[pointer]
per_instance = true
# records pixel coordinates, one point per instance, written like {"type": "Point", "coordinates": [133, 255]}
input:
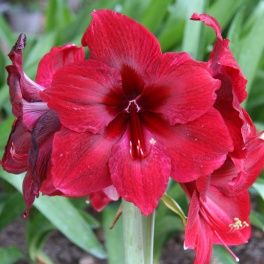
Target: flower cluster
{"type": "Point", "coordinates": [125, 120]}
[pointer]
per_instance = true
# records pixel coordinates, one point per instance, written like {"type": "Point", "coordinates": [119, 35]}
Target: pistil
{"type": "Point", "coordinates": [137, 141]}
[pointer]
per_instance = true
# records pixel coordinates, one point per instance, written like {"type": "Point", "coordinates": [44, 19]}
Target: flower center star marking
{"type": "Point", "coordinates": [137, 142]}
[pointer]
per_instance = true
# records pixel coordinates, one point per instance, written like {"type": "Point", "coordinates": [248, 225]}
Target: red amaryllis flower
{"type": "Point", "coordinates": [30, 142]}
{"type": "Point", "coordinates": [233, 86]}
{"type": "Point", "coordinates": [220, 205]}
{"type": "Point", "coordinates": [133, 116]}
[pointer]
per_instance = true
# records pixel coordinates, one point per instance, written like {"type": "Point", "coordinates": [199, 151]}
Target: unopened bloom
{"type": "Point", "coordinates": [132, 116]}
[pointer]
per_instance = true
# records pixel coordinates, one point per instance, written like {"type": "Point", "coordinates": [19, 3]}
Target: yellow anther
{"type": "Point", "coordinates": [238, 224]}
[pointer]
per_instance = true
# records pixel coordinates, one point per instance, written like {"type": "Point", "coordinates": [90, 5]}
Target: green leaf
{"type": "Point", "coordinates": [174, 206]}
{"type": "Point", "coordinates": [252, 45]}
{"type": "Point", "coordinates": [33, 55]}
{"type": "Point", "coordinates": [6, 35]}
{"type": "Point", "coordinates": [259, 187]}
{"type": "Point", "coordinates": [154, 14]}
{"type": "Point", "coordinates": [10, 255]}
{"type": "Point", "coordinates": [173, 29]}
{"type": "Point", "coordinates": [132, 8]}
{"type": "Point", "coordinates": [93, 223]}
{"type": "Point", "coordinates": [57, 14]}
{"type": "Point", "coordinates": [65, 217]}
{"type": "Point", "coordinates": [223, 11]}
{"type": "Point", "coordinates": [12, 208]}
{"type": "Point", "coordinates": [5, 128]}
{"type": "Point", "coordinates": [192, 33]}
{"type": "Point", "coordinates": [38, 229]}
{"type": "Point", "coordinates": [257, 220]}
{"type": "Point", "coordinates": [234, 31]}
{"type": "Point", "coordinates": [222, 256]}
{"type": "Point", "coordinates": [113, 237]}
{"type": "Point", "coordinates": [165, 227]}
{"type": "Point", "coordinates": [2, 68]}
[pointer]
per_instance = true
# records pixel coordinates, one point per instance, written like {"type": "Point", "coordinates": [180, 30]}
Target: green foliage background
{"type": "Point", "coordinates": [242, 22]}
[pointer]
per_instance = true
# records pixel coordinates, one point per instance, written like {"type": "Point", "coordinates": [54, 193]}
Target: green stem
{"type": "Point", "coordinates": [138, 235]}
{"type": "Point", "coordinates": [148, 236]}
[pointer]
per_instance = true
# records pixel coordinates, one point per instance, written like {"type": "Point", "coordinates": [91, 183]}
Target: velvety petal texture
{"type": "Point", "coordinates": [87, 170]}
{"type": "Point", "coordinates": [132, 116]}
{"type": "Point", "coordinates": [30, 143]}
{"type": "Point", "coordinates": [170, 92]}
{"type": "Point", "coordinates": [233, 86]}
{"type": "Point", "coordinates": [222, 59]}
{"type": "Point", "coordinates": [39, 156]}
{"type": "Point", "coordinates": [84, 96]}
{"type": "Point", "coordinates": [123, 121]}
{"type": "Point", "coordinates": [118, 40]}
{"type": "Point", "coordinates": [16, 151]}
{"type": "Point", "coordinates": [56, 59]}
{"type": "Point", "coordinates": [215, 219]}
{"type": "Point", "coordinates": [101, 198]}
{"type": "Point", "coordinates": [134, 179]}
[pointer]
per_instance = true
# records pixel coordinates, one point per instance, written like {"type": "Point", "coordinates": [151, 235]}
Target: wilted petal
{"type": "Point", "coordinates": [39, 155]}
{"type": "Point", "coordinates": [222, 59]}
{"type": "Point", "coordinates": [118, 40]}
{"type": "Point", "coordinates": [233, 115]}
{"type": "Point", "coordinates": [32, 112]}
{"type": "Point", "coordinates": [56, 59]}
{"type": "Point", "coordinates": [85, 95]}
{"type": "Point", "coordinates": [17, 80]}
{"type": "Point", "coordinates": [16, 151]}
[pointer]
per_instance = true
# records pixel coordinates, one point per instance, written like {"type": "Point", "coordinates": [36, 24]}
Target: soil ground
{"type": "Point", "coordinates": [62, 251]}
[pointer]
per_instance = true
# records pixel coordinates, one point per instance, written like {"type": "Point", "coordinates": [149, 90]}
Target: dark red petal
{"type": "Point", "coordinates": [141, 181]}
{"type": "Point", "coordinates": [80, 162]}
{"type": "Point", "coordinates": [222, 210]}
{"type": "Point", "coordinates": [32, 112]}
{"type": "Point", "coordinates": [222, 59]}
{"type": "Point", "coordinates": [56, 59]}
{"type": "Point", "coordinates": [86, 96]}
{"type": "Point", "coordinates": [101, 198]}
{"type": "Point", "coordinates": [248, 130]}
{"type": "Point", "coordinates": [39, 156]}
{"type": "Point", "coordinates": [182, 89]}
{"type": "Point", "coordinates": [198, 234]}
{"type": "Point", "coordinates": [224, 179]}
{"type": "Point", "coordinates": [252, 165]}
{"type": "Point", "coordinates": [196, 148]}
{"type": "Point", "coordinates": [118, 40]}
{"type": "Point", "coordinates": [18, 82]}
{"type": "Point", "coordinates": [227, 104]}
{"type": "Point", "coordinates": [16, 151]}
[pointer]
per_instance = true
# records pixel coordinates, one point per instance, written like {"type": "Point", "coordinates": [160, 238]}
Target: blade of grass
{"type": "Point", "coordinates": [64, 216]}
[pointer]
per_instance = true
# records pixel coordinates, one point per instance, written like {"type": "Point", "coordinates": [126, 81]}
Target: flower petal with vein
{"type": "Point", "coordinates": [132, 117]}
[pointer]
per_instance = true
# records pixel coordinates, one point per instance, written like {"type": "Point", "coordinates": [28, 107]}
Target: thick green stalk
{"type": "Point", "coordinates": [138, 235]}
{"type": "Point", "coordinates": [148, 236]}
